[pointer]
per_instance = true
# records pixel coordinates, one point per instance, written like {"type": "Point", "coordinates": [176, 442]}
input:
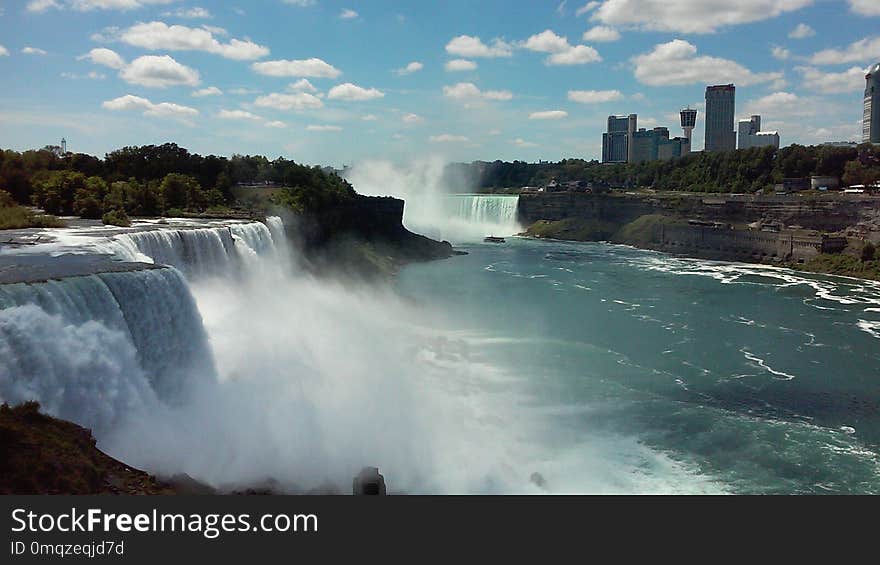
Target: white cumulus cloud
{"type": "Point", "coordinates": [411, 68]}
{"type": "Point", "coordinates": [105, 57]}
{"type": "Point", "coordinates": [468, 91]}
{"type": "Point", "coordinates": [677, 63]}
{"type": "Point", "coordinates": [577, 55]}
{"type": "Point", "coordinates": [547, 42]}
{"type": "Point", "coordinates": [209, 91]}
{"type": "Point", "coordinates": [40, 6]}
{"type": "Point", "coordinates": [313, 67]}
{"type": "Point", "coordinates": [130, 102]}
{"type": "Point", "coordinates": [458, 65]}
{"type": "Point", "coordinates": [548, 115]}
{"type": "Point", "coordinates": [352, 92]}
{"type": "Point", "coordinates": [472, 46]}
{"type": "Point", "coordinates": [588, 7]}
{"type": "Point", "coordinates": [33, 51]}
{"type": "Point", "coordinates": [691, 16]}
{"type": "Point", "coordinates": [601, 34]}
{"type": "Point", "coordinates": [561, 51]}
{"type": "Point", "coordinates": [780, 53]}
{"type": "Point", "coordinates": [864, 51]}
{"type": "Point", "coordinates": [194, 13]}
{"type": "Point", "coordinates": [323, 128]}
{"type": "Point", "coordinates": [802, 31]}
{"type": "Point", "coordinates": [865, 7]}
{"type": "Point", "coordinates": [302, 85]}
{"type": "Point", "coordinates": [238, 115]}
{"type": "Point", "coordinates": [594, 96]}
{"type": "Point", "coordinates": [850, 80]}
{"type": "Point", "coordinates": [161, 36]}
{"type": "Point", "coordinates": [159, 71]}
{"type": "Point", "coordinates": [296, 101]}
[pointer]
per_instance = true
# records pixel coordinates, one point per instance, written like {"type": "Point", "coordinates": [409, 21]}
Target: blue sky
{"type": "Point", "coordinates": [332, 82]}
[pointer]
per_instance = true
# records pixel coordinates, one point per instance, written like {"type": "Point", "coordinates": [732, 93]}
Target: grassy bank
{"type": "Point", "coordinates": [572, 229]}
{"type": "Point", "coordinates": [19, 217]}
{"type": "Point", "coordinates": [842, 264]}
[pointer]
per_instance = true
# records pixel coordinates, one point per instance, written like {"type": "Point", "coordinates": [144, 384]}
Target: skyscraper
{"type": "Point", "coordinates": [747, 129]}
{"type": "Point", "coordinates": [720, 110]}
{"type": "Point", "coordinates": [617, 141]}
{"type": "Point", "coordinates": [871, 119]}
{"type": "Point", "coordinates": [750, 134]}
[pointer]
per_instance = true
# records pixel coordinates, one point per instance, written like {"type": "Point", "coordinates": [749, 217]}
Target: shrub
{"type": "Point", "coordinates": [116, 218]}
{"type": "Point", "coordinates": [868, 251]}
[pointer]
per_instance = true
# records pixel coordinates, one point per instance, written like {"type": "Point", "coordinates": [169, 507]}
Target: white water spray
{"type": "Point", "coordinates": [433, 207]}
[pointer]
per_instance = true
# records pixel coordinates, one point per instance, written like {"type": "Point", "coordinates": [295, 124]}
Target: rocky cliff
{"type": "Point", "coordinates": [824, 213]}
{"type": "Point", "coordinates": [364, 236]}
{"type": "Point", "coordinates": [710, 226]}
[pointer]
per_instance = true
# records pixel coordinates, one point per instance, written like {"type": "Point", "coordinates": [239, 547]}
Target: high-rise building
{"type": "Point", "coordinates": [871, 118]}
{"type": "Point", "coordinates": [750, 134]}
{"type": "Point", "coordinates": [654, 144]}
{"type": "Point", "coordinates": [720, 109]}
{"type": "Point", "coordinates": [765, 139]}
{"type": "Point", "coordinates": [747, 129]}
{"type": "Point", "coordinates": [616, 142]}
{"type": "Point", "coordinates": [688, 123]}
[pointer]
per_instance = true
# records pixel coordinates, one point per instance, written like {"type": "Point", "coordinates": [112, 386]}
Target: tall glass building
{"type": "Point", "coordinates": [871, 119]}
{"type": "Point", "coordinates": [720, 110]}
{"type": "Point", "coordinates": [617, 141]}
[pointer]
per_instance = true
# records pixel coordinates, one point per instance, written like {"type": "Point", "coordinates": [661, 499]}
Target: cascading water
{"type": "Point", "coordinates": [196, 252]}
{"type": "Point", "coordinates": [487, 214]}
{"type": "Point", "coordinates": [433, 207]}
{"type": "Point", "coordinates": [92, 348]}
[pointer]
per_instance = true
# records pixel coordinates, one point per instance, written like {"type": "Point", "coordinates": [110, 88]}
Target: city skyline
{"type": "Point", "coordinates": [339, 82]}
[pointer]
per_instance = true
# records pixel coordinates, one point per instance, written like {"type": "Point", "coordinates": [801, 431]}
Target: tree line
{"type": "Point", "coordinates": [155, 180]}
{"type": "Point", "coordinates": [745, 170]}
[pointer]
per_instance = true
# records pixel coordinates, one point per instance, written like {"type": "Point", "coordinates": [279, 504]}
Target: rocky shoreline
{"type": "Point", "coordinates": [830, 234]}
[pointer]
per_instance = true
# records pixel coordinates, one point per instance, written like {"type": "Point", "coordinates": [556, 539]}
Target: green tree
{"type": "Point", "coordinates": [88, 200]}
{"type": "Point", "coordinates": [180, 191]}
{"type": "Point", "coordinates": [55, 192]}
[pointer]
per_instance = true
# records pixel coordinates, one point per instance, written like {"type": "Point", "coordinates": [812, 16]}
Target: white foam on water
{"type": "Point", "coordinates": [763, 365]}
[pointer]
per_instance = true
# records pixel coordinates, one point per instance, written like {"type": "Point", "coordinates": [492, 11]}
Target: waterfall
{"type": "Point", "coordinates": [195, 251]}
{"type": "Point", "coordinates": [94, 348]}
{"type": "Point", "coordinates": [463, 218]}
{"type": "Point", "coordinates": [488, 210]}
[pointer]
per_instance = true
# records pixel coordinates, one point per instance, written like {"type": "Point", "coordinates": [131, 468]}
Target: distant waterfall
{"type": "Point", "coordinates": [92, 348]}
{"type": "Point", "coordinates": [489, 210]}
{"type": "Point", "coordinates": [463, 218]}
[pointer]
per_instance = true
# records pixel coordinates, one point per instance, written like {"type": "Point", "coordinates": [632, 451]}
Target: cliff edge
{"type": "Point", "coordinates": [43, 455]}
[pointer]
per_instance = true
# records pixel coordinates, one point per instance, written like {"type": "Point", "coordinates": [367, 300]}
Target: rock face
{"type": "Point", "coordinates": [365, 236]}
{"type": "Point", "coordinates": [824, 213]}
{"type": "Point", "coordinates": [43, 455]}
{"type": "Point", "coordinates": [709, 226]}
